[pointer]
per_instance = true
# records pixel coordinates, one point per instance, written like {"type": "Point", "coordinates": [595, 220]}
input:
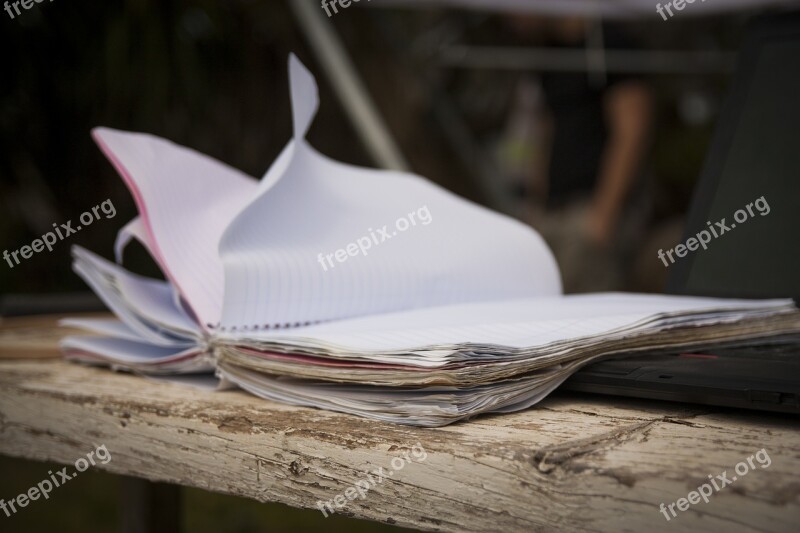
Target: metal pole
{"type": "Point", "coordinates": [348, 86]}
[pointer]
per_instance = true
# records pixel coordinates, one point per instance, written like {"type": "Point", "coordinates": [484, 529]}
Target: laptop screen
{"type": "Point", "coordinates": [745, 219]}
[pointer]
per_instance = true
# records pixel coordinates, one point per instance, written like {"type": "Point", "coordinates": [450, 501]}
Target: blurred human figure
{"type": "Point", "coordinates": [596, 135]}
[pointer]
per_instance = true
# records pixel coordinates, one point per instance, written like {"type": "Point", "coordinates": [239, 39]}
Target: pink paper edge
{"type": "Point", "coordinates": [140, 205]}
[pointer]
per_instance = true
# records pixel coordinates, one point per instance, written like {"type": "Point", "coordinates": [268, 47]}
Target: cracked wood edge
{"type": "Point", "coordinates": [575, 462]}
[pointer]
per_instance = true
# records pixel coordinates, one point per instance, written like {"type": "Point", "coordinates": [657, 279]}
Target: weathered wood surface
{"type": "Point", "coordinates": [35, 337]}
{"type": "Point", "coordinates": [575, 463]}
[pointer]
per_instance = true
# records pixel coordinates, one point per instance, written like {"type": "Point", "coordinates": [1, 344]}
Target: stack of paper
{"type": "Point", "coordinates": [306, 288]}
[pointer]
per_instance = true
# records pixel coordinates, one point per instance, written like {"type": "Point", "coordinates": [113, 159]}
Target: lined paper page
{"type": "Point", "coordinates": [185, 201]}
{"type": "Point", "coordinates": [514, 324]}
{"type": "Point", "coordinates": [145, 305]}
{"type": "Point", "coordinates": [135, 229]}
{"type": "Point", "coordinates": [275, 252]}
{"type": "Point", "coordinates": [137, 356]}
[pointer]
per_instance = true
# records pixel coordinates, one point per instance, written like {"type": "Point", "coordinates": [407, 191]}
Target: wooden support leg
{"type": "Point", "coordinates": [148, 507]}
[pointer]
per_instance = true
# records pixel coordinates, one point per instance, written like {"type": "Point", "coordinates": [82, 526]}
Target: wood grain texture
{"type": "Point", "coordinates": [573, 463]}
{"type": "Point", "coordinates": [36, 337]}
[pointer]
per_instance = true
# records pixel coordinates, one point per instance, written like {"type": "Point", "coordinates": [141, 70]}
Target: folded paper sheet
{"type": "Point", "coordinates": [205, 222]}
{"type": "Point", "coordinates": [314, 206]}
{"type": "Point", "coordinates": [186, 200]}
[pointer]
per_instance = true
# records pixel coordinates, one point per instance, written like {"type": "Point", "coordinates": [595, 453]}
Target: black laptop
{"type": "Point", "coordinates": [755, 155]}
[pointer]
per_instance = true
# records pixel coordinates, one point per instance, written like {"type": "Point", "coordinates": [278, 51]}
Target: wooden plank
{"type": "Point", "coordinates": [575, 462]}
{"type": "Point", "coordinates": [35, 337]}
{"type": "Point", "coordinates": [148, 507]}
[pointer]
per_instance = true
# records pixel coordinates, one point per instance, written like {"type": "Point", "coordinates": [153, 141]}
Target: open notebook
{"type": "Point", "coordinates": [304, 287]}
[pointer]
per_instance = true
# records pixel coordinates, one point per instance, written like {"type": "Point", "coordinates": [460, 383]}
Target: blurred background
{"type": "Point", "coordinates": [593, 131]}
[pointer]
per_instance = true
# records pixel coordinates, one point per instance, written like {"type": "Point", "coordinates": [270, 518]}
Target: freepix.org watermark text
{"type": "Point", "coordinates": [327, 5]}
{"type": "Point", "coordinates": [374, 238]}
{"type": "Point", "coordinates": [44, 487]}
{"type": "Point", "coordinates": [374, 478]}
{"type": "Point", "coordinates": [716, 230]}
{"type": "Point", "coordinates": [678, 5]}
{"type": "Point", "coordinates": [716, 483]}
{"type": "Point", "coordinates": [63, 231]}
{"type": "Point", "coordinates": [26, 4]}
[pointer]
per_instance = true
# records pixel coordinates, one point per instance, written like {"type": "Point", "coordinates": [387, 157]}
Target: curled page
{"type": "Point", "coordinates": [185, 201]}
{"type": "Point", "coordinates": [145, 305]}
{"type": "Point", "coordinates": [135, 229]}
{"type": "Point", "coordinates": [324, 241]}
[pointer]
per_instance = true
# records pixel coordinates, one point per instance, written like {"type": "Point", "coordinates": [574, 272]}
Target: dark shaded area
{"type": "Point", "coordinates": [91, 502]}
{"type": "Point", "coordinates": [211, 76]}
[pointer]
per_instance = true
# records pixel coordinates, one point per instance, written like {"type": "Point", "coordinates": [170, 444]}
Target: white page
{"type": "Point", "coordinates": [521, 323]}
{"type": "Point", "coordinates": [424, 406]}
{"type": "Point", "coordinates": [312, 205]}
{"type": "Point", "coordinates": [123, 351]}
{"type": "Point", "coordinates": [118, 329]}
{"type": "Point", "coordinates": [136, 322]}
{"type": "Point", "coordinates": [145, 305]}
{"type": "Point", "coordinates": [135, 229]}
{"type": "Point", "coordinates": [185, 201]}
